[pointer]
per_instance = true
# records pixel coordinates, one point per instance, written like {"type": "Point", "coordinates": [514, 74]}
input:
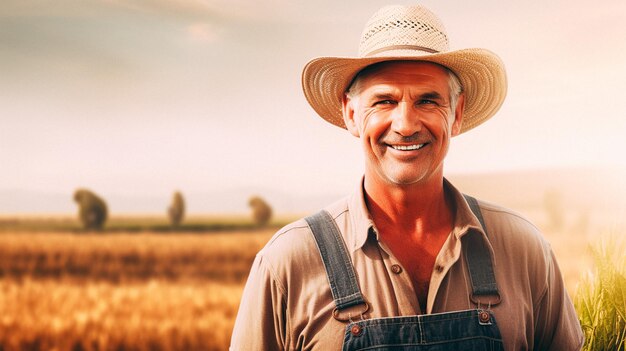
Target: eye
{"type": "Point", "coordinates": [426, 102]}
{"type": "Point", "coordinates": [384, 102]}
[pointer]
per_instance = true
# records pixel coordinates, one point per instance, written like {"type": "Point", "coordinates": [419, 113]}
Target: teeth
{"type": "Point", "coordinates": [407, 147]}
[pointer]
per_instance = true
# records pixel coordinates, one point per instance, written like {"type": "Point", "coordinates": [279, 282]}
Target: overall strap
{"type": "Point", "coordinates": [479, 260]}
{"type": "Point", "coordinates": [339, 269]}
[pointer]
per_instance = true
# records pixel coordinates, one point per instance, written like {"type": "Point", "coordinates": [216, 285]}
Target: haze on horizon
{"type": "Point", "coordinates": [144, 97]}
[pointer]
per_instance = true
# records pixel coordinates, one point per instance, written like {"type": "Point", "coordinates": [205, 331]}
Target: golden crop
{"type": "Point", "coordinates": [122, 291]}
{"type": "Point", "coordinates": [151, 315]}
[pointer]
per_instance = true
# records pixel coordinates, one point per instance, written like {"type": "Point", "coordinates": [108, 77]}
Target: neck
{"type": "Point", "coordinates": [416, 209]}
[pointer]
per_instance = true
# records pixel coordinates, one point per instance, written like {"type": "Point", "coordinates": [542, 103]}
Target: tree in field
{"type": "Point", "coordinates": [92, 210]}
{"type": "Point", "coordinates": [261, 210]}
{"type": "Point", "coordinates": [176, 211]}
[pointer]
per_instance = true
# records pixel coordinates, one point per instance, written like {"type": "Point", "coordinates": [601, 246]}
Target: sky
{"type": "Point", "coordinates": [145, 97]}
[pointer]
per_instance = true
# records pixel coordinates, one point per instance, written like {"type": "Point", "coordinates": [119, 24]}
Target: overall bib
{"type": "Point", "coordinates": [473, 329]}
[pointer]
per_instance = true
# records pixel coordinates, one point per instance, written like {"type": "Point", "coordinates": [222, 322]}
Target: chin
{"type": "Point", "coordinates": [409, 176]}
{"type": "Point", "coordinates": [406, 180]}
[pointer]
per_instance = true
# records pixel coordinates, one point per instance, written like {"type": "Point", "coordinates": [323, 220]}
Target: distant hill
{"type": "Point", "coordinates": [579, 189]}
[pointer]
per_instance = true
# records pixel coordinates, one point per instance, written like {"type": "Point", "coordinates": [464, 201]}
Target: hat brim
{"type": "Point", "coordinates": [481, 72]}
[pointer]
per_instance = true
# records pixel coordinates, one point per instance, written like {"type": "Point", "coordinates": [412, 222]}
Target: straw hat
{"type": "Point", "coordinates": [407, 33]}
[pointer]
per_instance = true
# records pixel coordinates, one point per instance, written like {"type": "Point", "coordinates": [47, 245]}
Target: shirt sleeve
{"type": "Point", "coordinates": [556, 325]}
{"type": "Point", "coordinates": [260, 323]}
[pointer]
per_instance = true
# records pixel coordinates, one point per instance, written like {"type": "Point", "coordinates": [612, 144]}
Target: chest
{"type": "Point", "coordinates": [418, 257]}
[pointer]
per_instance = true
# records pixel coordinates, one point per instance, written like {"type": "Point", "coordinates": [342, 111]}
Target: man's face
{"type": "Point", "coordinates": [401, 112]}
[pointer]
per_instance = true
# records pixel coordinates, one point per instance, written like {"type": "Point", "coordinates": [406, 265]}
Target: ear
{"type": "Point", "coordinates": [347, 108]}
{"type": "Point", "coordinates": [458, 115]}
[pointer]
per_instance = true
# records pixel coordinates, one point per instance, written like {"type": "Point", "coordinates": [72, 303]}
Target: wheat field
{"type": "Point", "coordinates": [148, 290]}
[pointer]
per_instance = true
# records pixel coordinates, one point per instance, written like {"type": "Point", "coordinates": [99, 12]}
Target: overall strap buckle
{"type": "Point", "coordinates": [338, 315]}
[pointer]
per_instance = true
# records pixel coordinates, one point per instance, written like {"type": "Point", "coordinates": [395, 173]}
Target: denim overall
{"type": "Point", "coordinates": [473, 329]}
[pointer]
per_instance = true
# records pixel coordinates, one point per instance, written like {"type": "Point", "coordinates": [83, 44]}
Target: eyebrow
{"type": "Point", "coordinates": [383, 96]}
{"type": "Point", "coordinates": [433, 95]}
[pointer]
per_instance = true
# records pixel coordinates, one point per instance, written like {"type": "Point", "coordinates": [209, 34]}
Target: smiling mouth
{"type": "Point", "coordinates": [407, 147]}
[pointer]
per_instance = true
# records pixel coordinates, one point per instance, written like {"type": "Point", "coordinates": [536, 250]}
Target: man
{"type": "Point", "coordinates": [407, 262]}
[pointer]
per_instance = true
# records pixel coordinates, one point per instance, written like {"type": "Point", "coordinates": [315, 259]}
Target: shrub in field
{"type": "Point", "coordinates": [92, 210]}
{"type": "Point", "coordinates": [601, 299]}
{"type": "Point", "coordinates": [261, 210]}
{"type": "Point", "coordinates": [176, 211]}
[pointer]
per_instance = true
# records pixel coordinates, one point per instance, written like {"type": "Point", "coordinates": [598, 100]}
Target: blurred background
{"type": "Point", "coordinates": [136, 100]}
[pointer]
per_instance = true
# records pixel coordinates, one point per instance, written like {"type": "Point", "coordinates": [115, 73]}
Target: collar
{"type": "Point", "coordinates": [362, 223]}
{"type": "Point", "coordinates": [363, 226]}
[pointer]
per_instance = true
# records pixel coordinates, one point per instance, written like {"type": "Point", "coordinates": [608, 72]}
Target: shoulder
{"type": "Point", "coordinates": [291, 241]}
{"type": "Point", "coordinates": [292, 254]}
{"type": "Point", "coordinates": [295, 238]}
{"type": "Point", "coordinates": [507, 227]}
{"type": "Point", "coordinates": [520, 249]}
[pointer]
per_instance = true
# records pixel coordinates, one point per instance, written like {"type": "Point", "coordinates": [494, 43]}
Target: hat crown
{"type": "Point", "coordinates": [398, 27]}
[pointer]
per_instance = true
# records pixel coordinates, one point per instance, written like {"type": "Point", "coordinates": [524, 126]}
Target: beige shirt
{"type": "Point", "coordinates": [287, 302]}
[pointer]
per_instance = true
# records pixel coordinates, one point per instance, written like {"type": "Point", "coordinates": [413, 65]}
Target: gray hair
{"type": "Point", "coordinates": [455, 88]}
{"type": "Point", "coordinates": [454, 85]}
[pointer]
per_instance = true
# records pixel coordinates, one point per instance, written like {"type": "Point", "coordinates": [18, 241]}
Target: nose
{"type": "Point", "coordinates": [405, 120]}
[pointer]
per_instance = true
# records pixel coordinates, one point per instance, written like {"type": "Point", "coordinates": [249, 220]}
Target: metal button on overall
{"type": "Point", "coordinates": [356, 330]}
{"type": "Point", "coordinates": [484, 317]}
{"type": "Point", "coordinates": [396, 268]}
